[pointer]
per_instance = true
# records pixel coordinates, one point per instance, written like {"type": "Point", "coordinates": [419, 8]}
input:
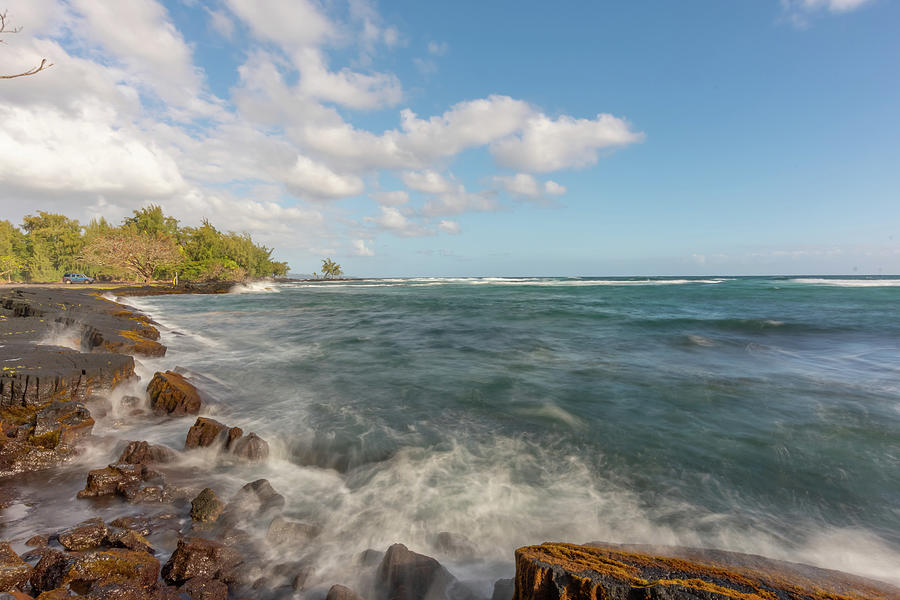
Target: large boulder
{"type": "Point", "coordinates": [575, 572]}
{"type": "Point", "coordinates": [406, 575]}
{"type": "Point", "coordinates": [250, 447]}
{"type": "Point", "coordinates": [204, 433]}
{"type": "Point", "coordinates": [14, 571]}
{"type": "Point", "coordinates": [136, 453]}
{"type": "Point", "coordinates": [200, 557]}
{"type": "Point", "coordinates": [172, 394]}
{"type": "Point", "coordinates": [84, 536]}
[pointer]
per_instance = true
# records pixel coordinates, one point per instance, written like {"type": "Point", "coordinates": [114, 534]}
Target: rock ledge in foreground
{"type": "Point", "coordinates": [553, 570]}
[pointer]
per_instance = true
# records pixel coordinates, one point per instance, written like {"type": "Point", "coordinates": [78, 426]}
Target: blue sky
{"type": "Point", "coordinates": [474, 138]}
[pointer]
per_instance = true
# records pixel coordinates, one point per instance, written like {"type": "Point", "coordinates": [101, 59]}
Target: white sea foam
{"type": "Point", "coordinates": [850, 282]}
{"type": "Point", "coordinates": [255, 287]}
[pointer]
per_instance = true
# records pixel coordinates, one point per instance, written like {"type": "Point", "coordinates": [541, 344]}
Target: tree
{"type": "Point", "coordinates": [53, 244]}
{"type": "Point", "coordinates": [140, 253]}
{"type": "Point", "coordinates": [5, 28]}
{"type": "Point", "coordinates": [331, 269]}
{"type": "Point", "coordinates": [12, 250]}
{"type": "Point", "coordinates": [151, 219]}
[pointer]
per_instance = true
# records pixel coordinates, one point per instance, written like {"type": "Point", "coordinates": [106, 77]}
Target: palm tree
{"type": "Point", "coordinates": [331, 269]}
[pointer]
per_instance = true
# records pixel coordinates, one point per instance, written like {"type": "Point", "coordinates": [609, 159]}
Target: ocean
{"type": "Point", "coordinates": [758, 415]}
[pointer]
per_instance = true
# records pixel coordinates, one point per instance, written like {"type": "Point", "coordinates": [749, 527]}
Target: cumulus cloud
{"type": "Point", "coordinates": [546, 144]}
{"type": "Point", "coordinates": [429, 182]}
{"type": "Point", "coordinates": [126, 117]}
{"type": "Point", "coordinates": [526, 186]}
{"type": "Point", "coordinates": [451, 227]}
{"type": "Point", "coordinates": [391, 219]}
{"type": "Point", "coordinates": [48, 150]}
{"type": "Point", "coordinates": [394, 198]}
{"type": "Point", "coordinates": [360, 248]}
{"type": "Point", "coordinates": [317, 180]}
{"type": "Point", "coordinates": [291, 25]}
{"type": "Point", "coordinates": [346, 87]}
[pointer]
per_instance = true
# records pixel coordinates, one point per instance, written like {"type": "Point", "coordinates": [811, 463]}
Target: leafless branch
{"type": "Point", "coordinates": [3, 29]}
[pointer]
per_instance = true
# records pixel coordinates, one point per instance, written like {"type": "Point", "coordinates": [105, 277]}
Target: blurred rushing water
{"type": "Point", "coordinates": [758, 415]}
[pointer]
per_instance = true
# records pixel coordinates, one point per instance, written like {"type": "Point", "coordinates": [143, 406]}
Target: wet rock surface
{"type": "Point", "coordinates": [206, 507]}
{"type": "Point", "coordinates": [341, 592]}
{"type": "Point", "coordinates": [136, 453]}
{"type": "Point", "coordinates": [43, 389]}
{"type": "Point", "coordinates": [170, 393]}
{"type": "Point", "coordinates": [84, 536]}
{"type": "Point", "coordinates": [626, 572]}
{"type": "Point", "coordinates": [209, 433]}
{"type": "Point", "coordinates": [200, 557]}
{"type": "Point", "coordinates": [406, 575]}
{"type": "Point", "coordinates": [14, 571]}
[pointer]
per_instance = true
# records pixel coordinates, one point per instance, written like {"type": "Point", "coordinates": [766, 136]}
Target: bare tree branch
{"type": "Point", "coordinates": [44, 64]}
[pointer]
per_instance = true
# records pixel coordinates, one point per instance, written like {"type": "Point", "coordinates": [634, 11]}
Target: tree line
{"type": "Point", "coordinates": [148, 245]}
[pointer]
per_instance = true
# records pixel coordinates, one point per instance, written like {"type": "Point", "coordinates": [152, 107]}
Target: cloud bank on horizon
{"type": "Point", "coordinates": [130, 115]}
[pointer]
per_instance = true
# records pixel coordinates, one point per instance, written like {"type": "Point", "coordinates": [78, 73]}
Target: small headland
{"type": "Point", "coordinates": [65, 349]}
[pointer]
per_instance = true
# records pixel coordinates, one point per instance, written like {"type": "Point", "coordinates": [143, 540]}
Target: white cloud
{"type": "Point", "coordinates": [292, 25]}
{"type": "Point", "coordinates": [546, 144]}
{"type": "Point", "coordinates": [526, 186]}
{"type": "Point", "coordinates": [429, 182]}
{"type": "Point", "coordinates": [48, 150]}
{"type": "Point", "coordinates": [346, 87]}
{"type": "Point", "coordinates": [451, 227]}
{"type": "Point", "coordinates": [140, 34]}
{"type": "Point", "coordinates": [221, 23]}
{"type": "Point", "coordinates": [126, 117]}
{"type": "Point", "coordinates": [438, 48]}
{"type": "Point", "coordinates": [460, 201]}
{"type": "Point", "coordinates": [835, 6]}
{"type": "Point", "coordinates": [316, 179]}
{"type": "Point", "coordinates": [394, 221]}
{"type": "Point", "coordinates": [394, 198]}
{"type": "Point", "coordinates": [360, 248]}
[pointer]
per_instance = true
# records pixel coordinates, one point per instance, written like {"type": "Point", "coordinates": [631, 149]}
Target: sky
{"type": "Point", "coordinates": [523, 138]}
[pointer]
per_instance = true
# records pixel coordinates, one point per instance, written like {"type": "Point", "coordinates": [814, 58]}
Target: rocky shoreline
{"type": "Point", "coordinates": [184, 541]}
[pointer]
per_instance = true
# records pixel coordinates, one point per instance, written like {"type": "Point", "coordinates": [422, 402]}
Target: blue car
{"type": "Point", "coordinates": [77, 278]}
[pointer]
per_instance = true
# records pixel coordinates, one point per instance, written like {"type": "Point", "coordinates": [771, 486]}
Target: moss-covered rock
{"type": "Point", "coordinates": [84, 536]}
{"type": "Point", "coordinates": [206, 507]}
{"type": "Point", "coordinates": [114, 566]}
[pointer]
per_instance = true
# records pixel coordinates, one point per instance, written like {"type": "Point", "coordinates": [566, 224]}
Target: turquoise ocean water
{"type": "Point", "coordinates": [751, 414]}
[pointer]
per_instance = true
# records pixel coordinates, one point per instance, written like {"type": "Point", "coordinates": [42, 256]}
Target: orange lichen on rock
{"type": "Point", "coordinates": [554, 571]}
{"type": "Point", "coordinates": [172, 394]}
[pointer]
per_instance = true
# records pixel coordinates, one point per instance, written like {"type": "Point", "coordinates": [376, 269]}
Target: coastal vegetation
{"type": "Point", "coordinates": [147, 245]}
{"type": "Point", "coordinates": [331, 269]}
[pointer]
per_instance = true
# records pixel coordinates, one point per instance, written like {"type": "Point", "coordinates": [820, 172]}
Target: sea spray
{"type": "Point", "coordinates": [719, 412]}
